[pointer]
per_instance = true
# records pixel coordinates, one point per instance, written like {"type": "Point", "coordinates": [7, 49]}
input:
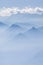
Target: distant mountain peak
{"type": "Point", "coordinates": [33, 29]}
{"type": "Point", "coordinates": [2, 24]}
{"type": "Point", "coordinates": [14, 27]}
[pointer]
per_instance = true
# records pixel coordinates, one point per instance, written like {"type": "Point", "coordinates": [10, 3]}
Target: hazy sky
{"type": "Point", "coordinates": [10, 7]}
{"type": "Point", "coordinates": [21, 3]}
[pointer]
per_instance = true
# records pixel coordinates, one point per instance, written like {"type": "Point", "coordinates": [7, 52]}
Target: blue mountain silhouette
{"type": "Point", "coordinates": [41, 28]}
{"type": "Point", "coordinates": [3, 25]}
{"type": "Point", "coordinates": [33, 29]}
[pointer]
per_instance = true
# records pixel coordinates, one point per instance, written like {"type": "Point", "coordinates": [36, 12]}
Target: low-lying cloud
{"type": "Point", "coordinates": [15, 10]}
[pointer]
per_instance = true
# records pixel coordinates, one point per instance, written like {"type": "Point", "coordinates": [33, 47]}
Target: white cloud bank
{"type": "Point", "coordinates": [15, 10]}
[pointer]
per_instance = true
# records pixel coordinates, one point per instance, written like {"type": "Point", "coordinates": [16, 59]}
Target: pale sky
{"type": "Point", "coordinates": [21, 11]}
